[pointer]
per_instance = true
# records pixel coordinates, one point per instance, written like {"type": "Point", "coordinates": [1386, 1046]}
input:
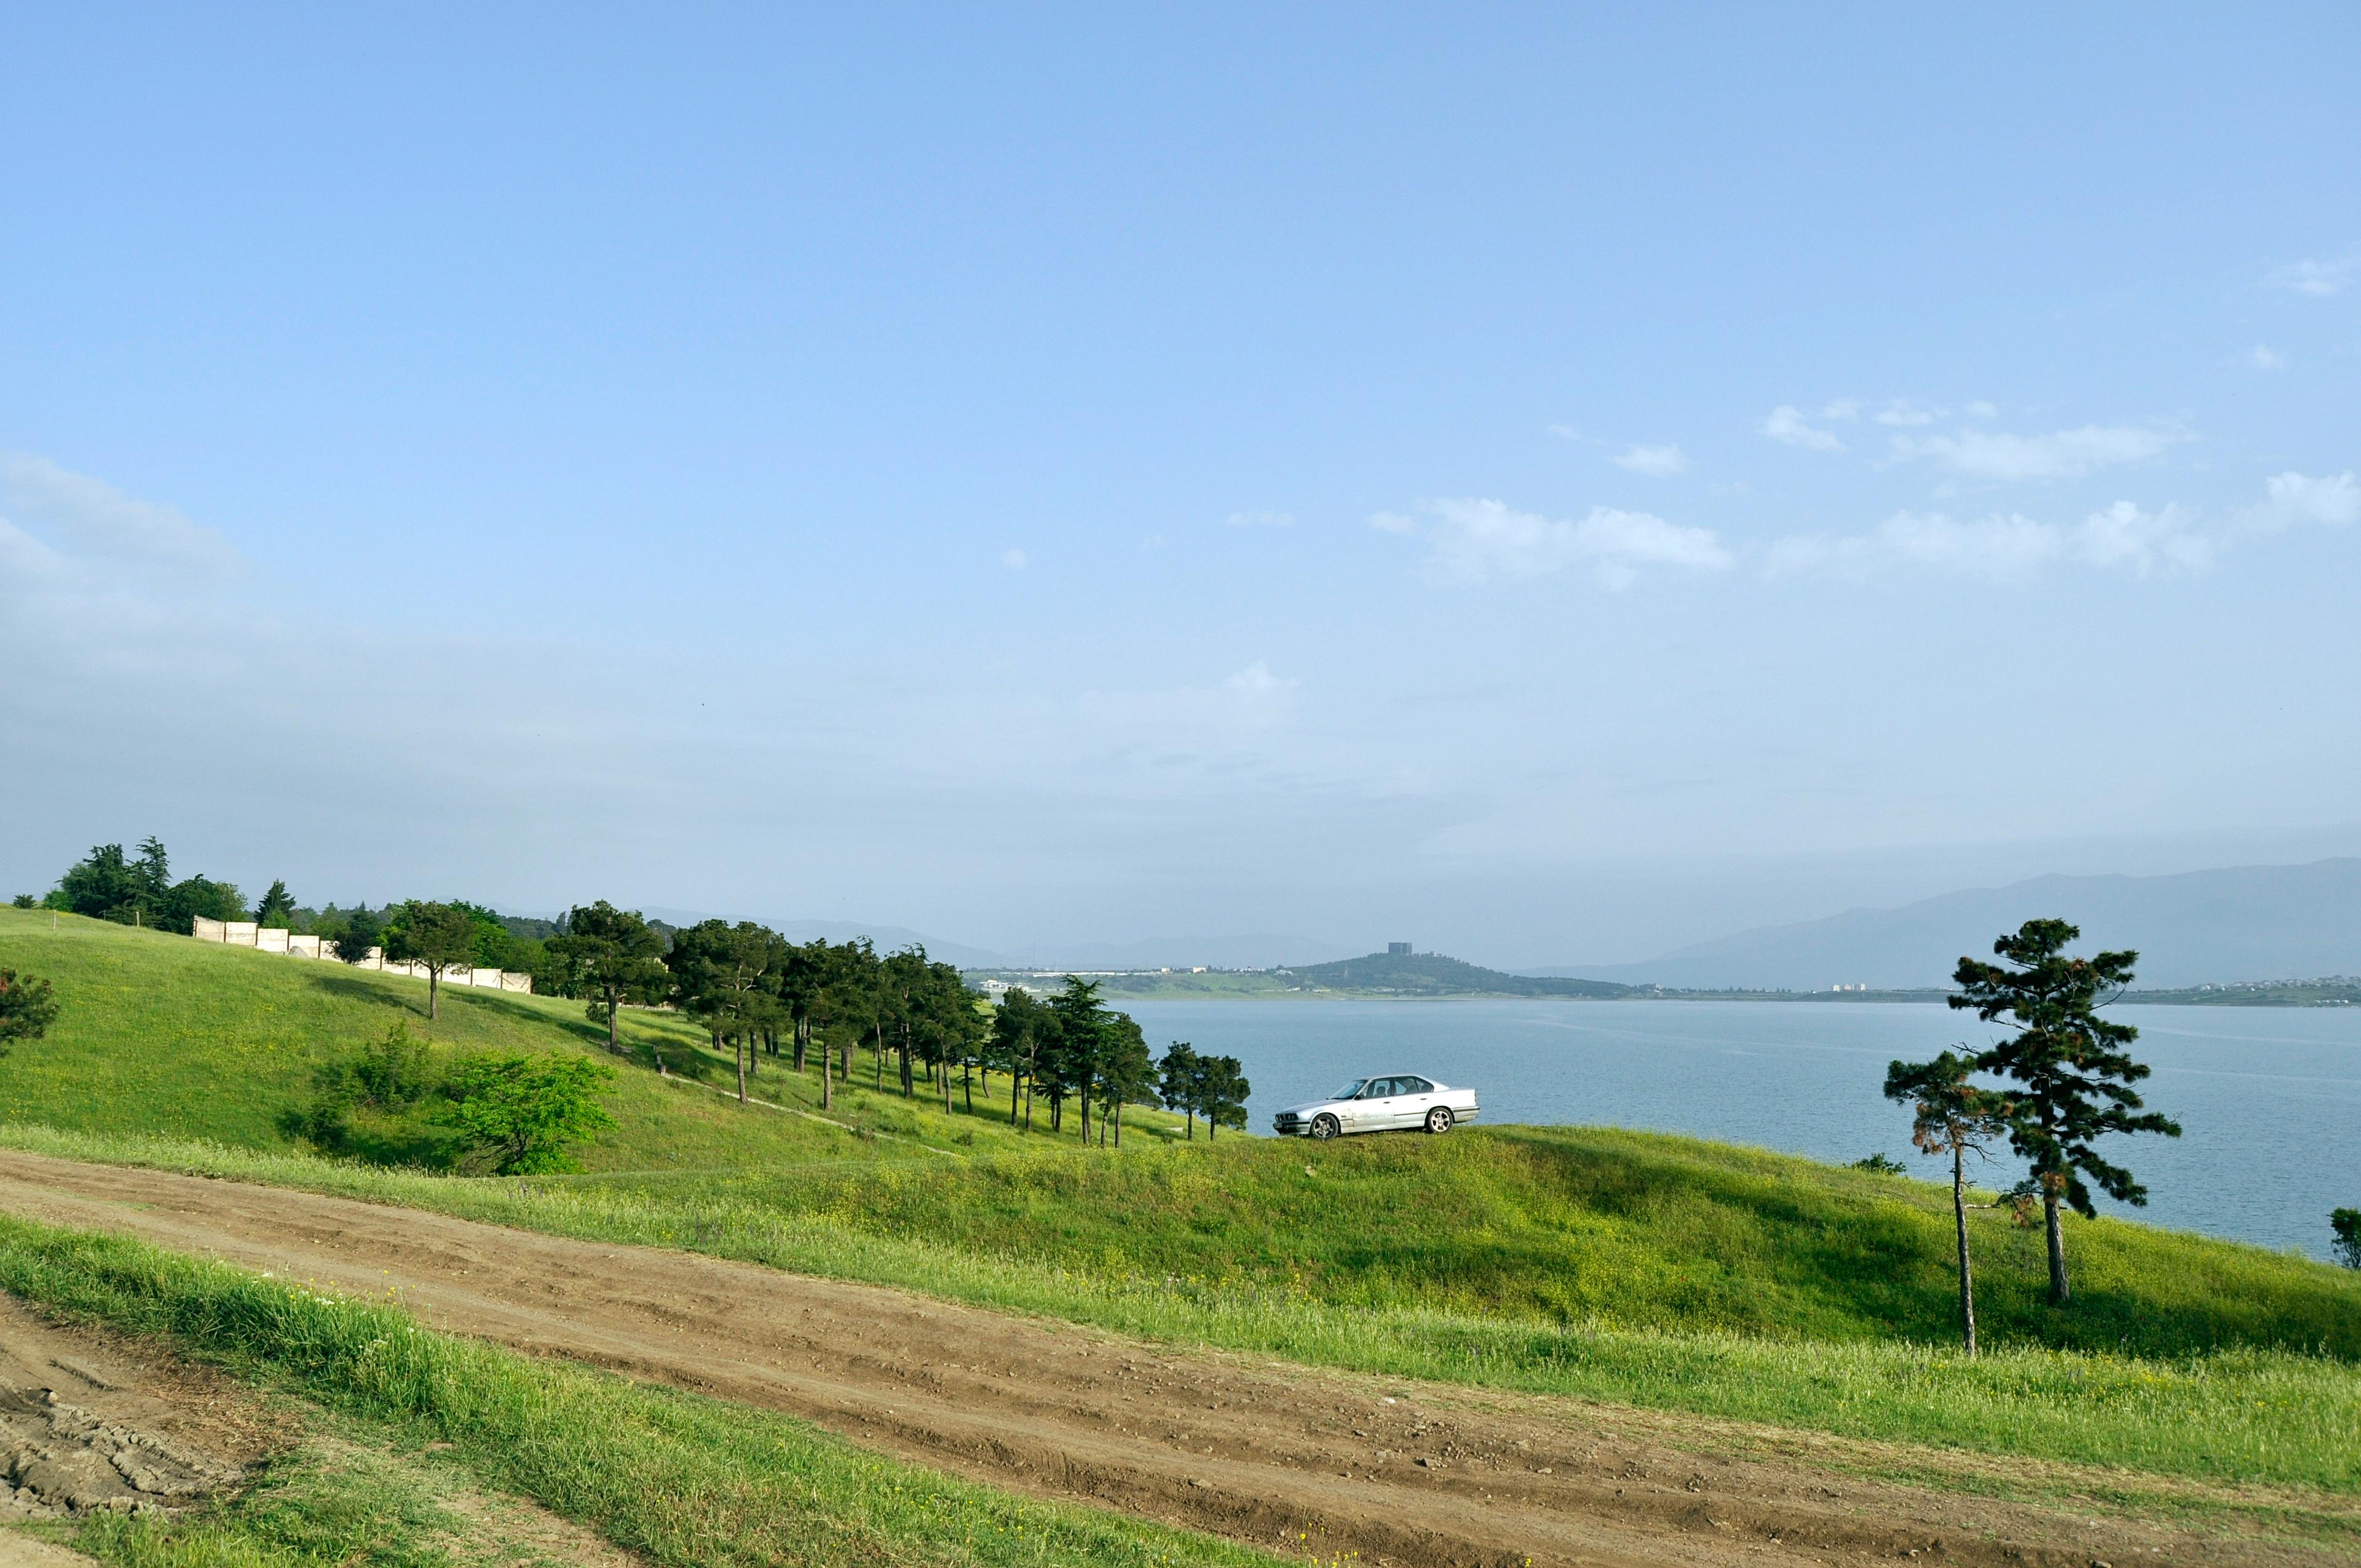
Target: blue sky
{"type": "Point", "coordinates": [1547, 484]}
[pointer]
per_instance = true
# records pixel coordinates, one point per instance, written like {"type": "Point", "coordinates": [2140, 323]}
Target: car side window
{"type": "Point", "coordinates": [1390, 1088]}
{"type": "Point", "coordinates": [1413, 1086]}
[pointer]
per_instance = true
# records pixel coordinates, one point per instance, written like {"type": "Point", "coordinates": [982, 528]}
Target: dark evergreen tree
{"type": "Point", "coordinates": [612, 955]}
{"type": "Point", "coordinates": [2070, 1072]}
{"type": "Point", "coordinates": [2344, 1224]}
{"type": "Point", "coordinates": [1222, 1093]}
{"type": "Point", "coordinates": [276, 908]}
{"type": "Point", "coordinates": [1178, 1081]}
{"type": "Point", "coordinates": [1951, 1115]}
{"type": "Point", "coordinates": [27, 1008]}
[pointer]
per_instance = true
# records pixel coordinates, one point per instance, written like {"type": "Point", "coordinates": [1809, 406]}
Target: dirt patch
{"type": "Point", "coordinates": [89, 1425]}
{"type": "Point", "coordinates": [1307, 1462]}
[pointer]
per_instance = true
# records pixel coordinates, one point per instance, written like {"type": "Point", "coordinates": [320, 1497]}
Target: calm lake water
{"type": "Point", "coordinates": [2269, 1099]}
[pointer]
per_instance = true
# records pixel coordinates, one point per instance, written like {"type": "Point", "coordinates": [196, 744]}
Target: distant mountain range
{"type": "Point", "coordinates": [2196, 927]}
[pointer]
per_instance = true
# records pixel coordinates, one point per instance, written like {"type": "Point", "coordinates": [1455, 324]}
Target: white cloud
{"type": "Point", "coordinates": [1903, 412]}
{"type": "Point", "coordinates": [1981, 410]}
{"type": "Point", "coordinates": [2265, 357]}
{"type": "Point", "coordinates": [1013, 559]}
{"type": "Point", "coordinates": [1786, 424]}
{"type": "Point", "coordinates": [1260, 520]}
{"type": "Point", "coordinates": [2318, 279]}
{"type": "Point", "coordinates": [100, 520]}
{"type": "Point", "coordinates": [2003, 547]}
{"type": "Point", "coordinates": [2060, 454]}
{"type": "Point", "coordinates": [1656, 462]}
{"type": "Point", "coordinates": [1257, 681]}
{"type": "Point", "coordinates": [2144, 542]}
{"type": "Point", "coordinates": [2294, 500]}
{"type": "Point", "coordinates": [1843, 408]}
{"type": "Point", "coordinates": [1476, 541]}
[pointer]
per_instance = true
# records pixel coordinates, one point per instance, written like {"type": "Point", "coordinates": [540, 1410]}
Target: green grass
{"type": "Point", "coordinates": [674, 1477]}
{"type": "Point", "coordinates": [1628, 1266]}
{"type": "Point", "coordinates": [2245, 1416]}
{"type": "Point", "coordinates": [166, 1035]}
{"type": "Point", "coordinates": [1581, 1225]}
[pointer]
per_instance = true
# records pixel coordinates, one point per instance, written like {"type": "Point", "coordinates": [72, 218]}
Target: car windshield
{"type": "Point", "coordinates": [1350, 1090]}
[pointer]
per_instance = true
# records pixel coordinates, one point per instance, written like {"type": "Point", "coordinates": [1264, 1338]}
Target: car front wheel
{"type": "Point", "coordinates": [1439, 1119]}
{"type": "Point", "coordinates": [1325, 1126]}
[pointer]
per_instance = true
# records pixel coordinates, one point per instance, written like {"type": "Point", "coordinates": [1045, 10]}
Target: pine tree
{"type": "Point", "coordinates": [2071, 1073]}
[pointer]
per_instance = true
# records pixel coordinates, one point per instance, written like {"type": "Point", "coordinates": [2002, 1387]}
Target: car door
{"type": "Point", "coordinates": [1374, 1111]}
{"type": "Point", "coordinates": [1413, 1098]}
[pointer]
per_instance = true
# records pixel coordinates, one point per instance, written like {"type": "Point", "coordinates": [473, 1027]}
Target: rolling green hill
{"type": "Point", "coordinates": [164, 1035]}
{"type": "Point", "coordinates": [1613, 1264]}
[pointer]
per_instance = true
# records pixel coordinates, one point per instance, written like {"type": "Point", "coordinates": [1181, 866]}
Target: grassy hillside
{"type": "Point", "coordinates": [1612, 1264]}
{"type": "Point", "coordinates": [165, 1034]}
{"type": "Point", "coordinates": [1582, 1225]}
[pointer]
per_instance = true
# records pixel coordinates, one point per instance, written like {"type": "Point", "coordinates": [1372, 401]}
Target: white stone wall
{"type": "Point", "coordinates": [275, 939]}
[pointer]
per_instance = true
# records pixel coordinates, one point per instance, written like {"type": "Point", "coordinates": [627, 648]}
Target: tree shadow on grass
{"type": "Point", "coordinates": [352, 988]}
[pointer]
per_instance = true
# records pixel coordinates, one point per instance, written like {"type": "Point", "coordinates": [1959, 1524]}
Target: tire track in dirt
{"type": "Point", "coordinates": [1302, 1460]}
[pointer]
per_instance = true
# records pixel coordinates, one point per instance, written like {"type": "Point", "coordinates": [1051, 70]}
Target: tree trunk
{"type": "Point", "coordinates": [877, 1077]}
{"type": "Point", "coordinates": [827, 1080]}
{"type": "Point", "coordinates": [614, 1041]}
{"type": "Point", "coordinates": [1012, 1079]}
{"type": "Point", "coordinates": [434, 983]}
{"type": "Point", "coordinates": [803, 1044]}
{"type": "Point", "coordinates": [1967, 1280]}
{"type": "Point", "coordinates": [738, 1044]}
{"type": "Point", "coordinates": [1086, 1112]}
{"type": "Point", "coordinates": [967, 1086]}
{"type": "Point", "coordinates": [2055, 1223]}
{"type": "Point", "coordinates": [1118, 1123]}
{"type": "Point", "coordinates": [1191, 1111]}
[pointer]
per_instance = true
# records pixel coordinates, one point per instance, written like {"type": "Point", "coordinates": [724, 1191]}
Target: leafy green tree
{"type": "Point", "coordinates": [2345, 1225]}
{"type": "Point", "coordinates": [1951, 1115]}
{"type": "Point", "coordinates": [615, 957]}
{"type": "Point", "coordinates": [1222, 1093]}
{"type": "Point", "coordinates": [437, 936]}
{"type": "Point", "coordinates": [25, 901]}
{"type": "Point", "coordinates": [26, 1009]}
{"type": "Point", "coordinates": [276, 908]}
{"type": "Point", "coordinates": [2071, 1073]}
{"type": "Point", "coordinates": [521, 1113]}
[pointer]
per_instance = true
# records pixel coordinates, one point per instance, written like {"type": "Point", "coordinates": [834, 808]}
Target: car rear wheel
{"type": "Point", "coordinates": [1439, 1119]}
{"type": "Point", "coordinates": [1325, 1126]}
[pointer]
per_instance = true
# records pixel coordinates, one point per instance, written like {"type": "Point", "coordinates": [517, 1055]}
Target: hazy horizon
{"type": "Point", "coordinates": [1555, 487]}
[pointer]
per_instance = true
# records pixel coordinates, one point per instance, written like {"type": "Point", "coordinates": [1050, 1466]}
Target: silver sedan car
{"type": "Point", "coordinates": [1401, 1101]}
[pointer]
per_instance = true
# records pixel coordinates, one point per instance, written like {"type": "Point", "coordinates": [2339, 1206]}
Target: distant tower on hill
{"type": "Point", "coordinates": [1397, 949]}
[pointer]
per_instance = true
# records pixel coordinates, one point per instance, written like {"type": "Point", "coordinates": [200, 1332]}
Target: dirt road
{"type": "Point", "coordinates": [1334, 1462]}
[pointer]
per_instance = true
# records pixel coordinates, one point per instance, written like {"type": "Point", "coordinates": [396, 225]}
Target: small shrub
{"type": "Point", "coordinates": [1879, 1165]}
{"type": "Point", "coordinates": [25, 901]}
{"type": "Point", "coordinates": [2346, 1223]}
{"type": "Point", "coordinates": [519, 1114]}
